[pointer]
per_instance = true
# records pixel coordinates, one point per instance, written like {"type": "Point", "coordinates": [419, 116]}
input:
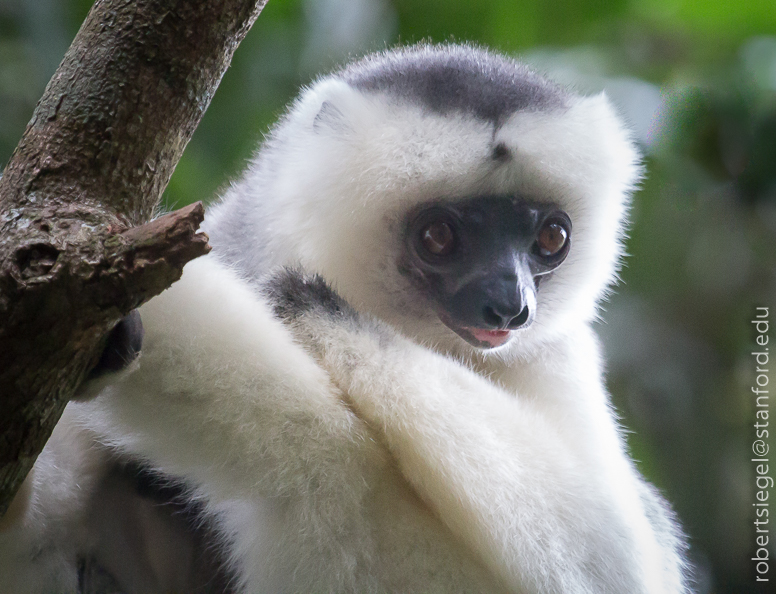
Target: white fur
{"type": "Point", "coordinates": [398, 458]}
{"type": "Point", "coordinates": [39, 550]}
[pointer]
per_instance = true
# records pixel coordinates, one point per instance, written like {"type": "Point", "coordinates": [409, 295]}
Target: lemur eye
{"type": "Point", "coordinates": [552, 238]}
{"type": "Point", "coordinates": [438, 238]}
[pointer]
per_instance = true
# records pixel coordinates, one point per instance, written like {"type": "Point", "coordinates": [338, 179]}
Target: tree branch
{"type": "Point", "coordinates": [94, 160]}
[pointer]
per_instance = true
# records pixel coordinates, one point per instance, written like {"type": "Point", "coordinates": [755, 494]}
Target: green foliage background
{"type": "Point", "coordinates": [698, 80]}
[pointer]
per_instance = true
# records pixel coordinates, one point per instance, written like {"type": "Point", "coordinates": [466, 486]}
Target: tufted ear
{"type": "Point", "coordinates": [331, 120]}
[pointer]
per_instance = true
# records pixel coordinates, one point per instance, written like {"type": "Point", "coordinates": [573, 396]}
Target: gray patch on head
{"type": "Point", "coordinates": [456, 78]}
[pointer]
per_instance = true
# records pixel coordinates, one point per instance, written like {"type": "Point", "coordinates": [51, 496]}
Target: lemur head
{"type": "Point", "coordinates": [450, 191]}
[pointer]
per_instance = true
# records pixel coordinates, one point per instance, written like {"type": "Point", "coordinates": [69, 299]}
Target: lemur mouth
{"type": "Point", "coordinates": [479, 337]}
{"type": "Point", "coordinates": [486, 339]}
{"type": "Point", "coordinates": [492, 338]}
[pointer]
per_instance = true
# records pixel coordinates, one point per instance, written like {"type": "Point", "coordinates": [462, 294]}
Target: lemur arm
{"type": "Point", "coordinates": [492, 466]}
{"type": "Point", "coordinates": [223, 396]}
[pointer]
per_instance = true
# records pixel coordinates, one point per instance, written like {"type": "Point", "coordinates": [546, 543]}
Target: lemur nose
{"type": "Point", "coordinates": [506, 317]}
{"type": "Point", "coordinates": [495, 302]}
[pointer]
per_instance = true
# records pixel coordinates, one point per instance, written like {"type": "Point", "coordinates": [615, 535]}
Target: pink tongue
{"type": "Point", "coordinates": [493, 337]}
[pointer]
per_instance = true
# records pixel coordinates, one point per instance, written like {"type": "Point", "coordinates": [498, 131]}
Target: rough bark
{"type": "Point", "coordinates": [94, 160]}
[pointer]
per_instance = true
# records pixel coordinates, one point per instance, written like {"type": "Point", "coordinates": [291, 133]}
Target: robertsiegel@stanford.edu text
{"type": "Point", "coordinates": [763, 479]}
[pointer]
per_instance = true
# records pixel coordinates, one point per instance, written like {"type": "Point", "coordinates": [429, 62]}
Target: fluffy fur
{"type": "Point", "coordinates": [349, 441]}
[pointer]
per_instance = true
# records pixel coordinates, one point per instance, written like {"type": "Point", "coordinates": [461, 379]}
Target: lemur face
{"type": "Point", "coordinates": [481, 262]}
{"type": "Point", "coordinates": [468, 202]}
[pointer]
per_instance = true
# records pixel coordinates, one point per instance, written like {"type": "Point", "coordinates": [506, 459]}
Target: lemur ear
{"type": "Point", "coordinates": [330, 119]}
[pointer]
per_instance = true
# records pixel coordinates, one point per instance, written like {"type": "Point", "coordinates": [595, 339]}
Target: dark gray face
{"type": "Point", "coordinates": [480, 261]}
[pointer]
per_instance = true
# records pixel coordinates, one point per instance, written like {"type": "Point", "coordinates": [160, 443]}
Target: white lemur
{"type": "Point", "coordinates": [384, 379]}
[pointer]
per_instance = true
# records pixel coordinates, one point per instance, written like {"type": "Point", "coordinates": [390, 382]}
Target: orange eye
{"type": "Point", "coordinates": [551, 239]}
{"type": "Point", "coordinates": [438, 238]}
